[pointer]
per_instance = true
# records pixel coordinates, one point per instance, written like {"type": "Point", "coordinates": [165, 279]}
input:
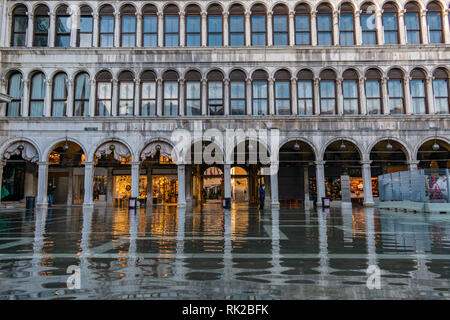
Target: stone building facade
{"type": "Point", "coordinates": [97, 88]}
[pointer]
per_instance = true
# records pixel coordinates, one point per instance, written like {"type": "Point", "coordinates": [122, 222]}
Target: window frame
{"type": "Point", "coordinates": [82, 101]}
{"type": "Point", "coordinates": [15, 100]}
{"type": "Point", "coordinates": [59, 34]}
{"type": "Point", "coordinates": [13, 26]}
{"type": "Point", "coordinates": [66, 95]}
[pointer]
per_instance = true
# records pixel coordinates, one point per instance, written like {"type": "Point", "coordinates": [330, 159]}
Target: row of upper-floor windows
{"type": "Point", "coordinates": [308, 28]}
{"type": "Point", "coordinates": [259, 95]}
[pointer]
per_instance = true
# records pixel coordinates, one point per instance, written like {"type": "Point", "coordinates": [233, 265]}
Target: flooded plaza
{"type": "Point", "coordinates": [165, 252]}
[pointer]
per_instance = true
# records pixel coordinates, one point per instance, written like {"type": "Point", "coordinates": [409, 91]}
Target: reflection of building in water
{"type": "Point", "coordinates": [239, 184]}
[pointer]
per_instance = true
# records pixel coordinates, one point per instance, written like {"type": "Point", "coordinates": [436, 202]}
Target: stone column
{"type": "Point", "coordinates": [413, 165]}
{"type": "Point", "coordinates": [248, 35]}
{"type": "Point", "coordinates": [294, 104]}
{"type": "Point", "coordinates": [306, 187]}
{"type": "Point", "coordinates": [70, 187]}
{"type": "Point", "coordinates": [320, 181]}
{"type": "Point", "coordinates": [134, 179]}
{"type": "Point", "coordinates": [340, 97]}
{"type": "Point", "coordinates": [204, 102]}
{"type": "Point", "coordinates": [30, 29]}
{"type": "Point", "coordinates": [7, 26]}
{"type": "Point", "coordinates": [25, 98]}
{"type": "Point", "coordinates": [138, 29]}
{"type": "Point", "coordinates": [313, 28]}
{"type": "Point", "coordinates": [316, 96]}
{"type": "Point", "coordinates": [272, 110]}
{"type": "Point", "coordinates": [407, 90]}
{"type": "Point", "coordinates": [182, 29]}
{"type": "Point", "coordinates": [115, 97]}
{"type": "Point", "coordinates": [48, 98]}
{"type": "Point", "coordinates": [379, 26]}
{"type": "Point", "coordinates": [109, 187]}
{"type": "Point", "coordinates": [149, 187]}
{"type": "Point", "coordinates": [291, 28]}
{"type": "Point", "coordinates": [160, 29]}
{"type": "Point", "coordinates": [88, 183]}
{"type": "Point", "coordinates": [446, 28]}
{"type": "Point", "coordinates": [226, 31]}
{"type": "Point", "coordinates": [274, 190]}
{"type": "Point", "coordinates": [181, 186]}
{"type": "Point", "coordinates": [362, 95]}
{"type": "Point", "coordinates": [385, 95]}
{"type": "Point", "coordinates": [74, 26]}
{"type": "Point", "coordinates": [227, 182]}
{"type": "Point", "coordinates": [430, 95]}
{"type": "Point", "coordinates": [204, 37]}
{"type": "Point", "coordinates": [424, 26]}
{"type": "Point", "coordinates": [181, 95]}
{"type": "Point", "coordinates": [2, 165]}
{"type": "Point", "coordinates": [358, 30]}
{"type": "Point", "coordinates": [52, 30]}
{"type": "Point", "coordinates": [336, 28]}
{"type": "Point", "coordinates": [95, 30]}
{"type": "Point", "coordinates": [42, 200]}
{"type": "Point", "coordinates": [70, 96]}
{"type": "Point", "coordinates": [248, 83]}
{"type": "Point", "coordinates": [117, 29]}
{"type": "Point", "coordinates": [137, 97]}
{"type": "Point", "coordinates": [269, 29]}
{"type": "Point", "coordinates": [226, 96]}
{"type": "Point", "coordinates": [159, 97]}
{"type": "Point", "coordinates": [92, 98]}
{"type": "Point", "coordinates": [401, 26]}
{"type": "Point", "coordinates": [367, 183]}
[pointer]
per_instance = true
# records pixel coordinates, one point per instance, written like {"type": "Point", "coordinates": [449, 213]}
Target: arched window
{"type": "Point", "coordinates": [148, 93]}
{"type": "Point", "coordinates": [37, 95]}
{"type": "Point", "coordinates": [86, 27]}
{"type": "Point", "coordinates": [19, 26]}
{"type": "Point", "coordinates": [193, 89]}
{"type": "Point", "coordinates": [215, 93]}
{"type": "Point", "coordinates": [15, 90]}
{"type": "Point", "coordinates": [441, 91]}
{"type": "Point", "coordinates": [434, 19]}
{"type": "Point", "coordinates": [305, 92]}
{"type": "Point", "coordinates": [283, 92]}
{"type": "Point", "coordinates": [41, 25]}
{"type": "Point", "coordinates": [260, 92]}
{"type": "Point", "coordinates": [390, 23]}
{"type": "Point", "coordinates": [128, 26]}
{"type": "Point", "coordinates": [280, 25]}
{"type": "Point", "coordinates": [350, 92]}
{"type": "Point", "coordinates": [259, 24]}
{"type": "Point", "coordinates": [412, 23]}
{"type": "Point", "coordinates": [368, 24]}
{"type": "Point", "coordinates": [171, 26]}
{"type": "Point", "coordinates": [82, 94]}
{"type": "Point", "coordinates": [302, 25]}
{"type": "Point", "coordinates": [106, 26]}
{"type": "Point", "coordinates": [346, 25]}
{"type": "Point", "coordinates": [59, 97]}
{"type": "Point", "coordinates": [418, 92]}
{"type": "Point", "coordinates": [171, 97]}
{"type": "Point", "coordinates": [327, 92]}
{"type": "Point", "coordinates": [395, 92]}
{"type": "Point", "coordinates": [215, 26]}
{"type": "Point", "coordinates": [126, 93]}
{"type": "Point", "coordinates": [149, 26]}
{"type": "Point", "coordinates": [237, 25]}
{"type": "Point", "coordinates": [373, 92]}
{"type": "Point", "coordinates": [63, 26]}
{"type": "Point", "coordinates": [324, 25]}
{"type": "Point", "coordinates": [104, 94]}
{"type": "Point", "coordinates": [193, 26]}
{"type": "Point", "coordinates": [237, 93]}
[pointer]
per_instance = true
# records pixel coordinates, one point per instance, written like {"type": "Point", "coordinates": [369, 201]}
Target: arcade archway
{"type": "Point", "coordinates": [434, 154]}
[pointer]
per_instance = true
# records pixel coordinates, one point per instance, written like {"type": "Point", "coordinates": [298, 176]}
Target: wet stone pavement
{"type": "Point", "coordinates": [211, 253]}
